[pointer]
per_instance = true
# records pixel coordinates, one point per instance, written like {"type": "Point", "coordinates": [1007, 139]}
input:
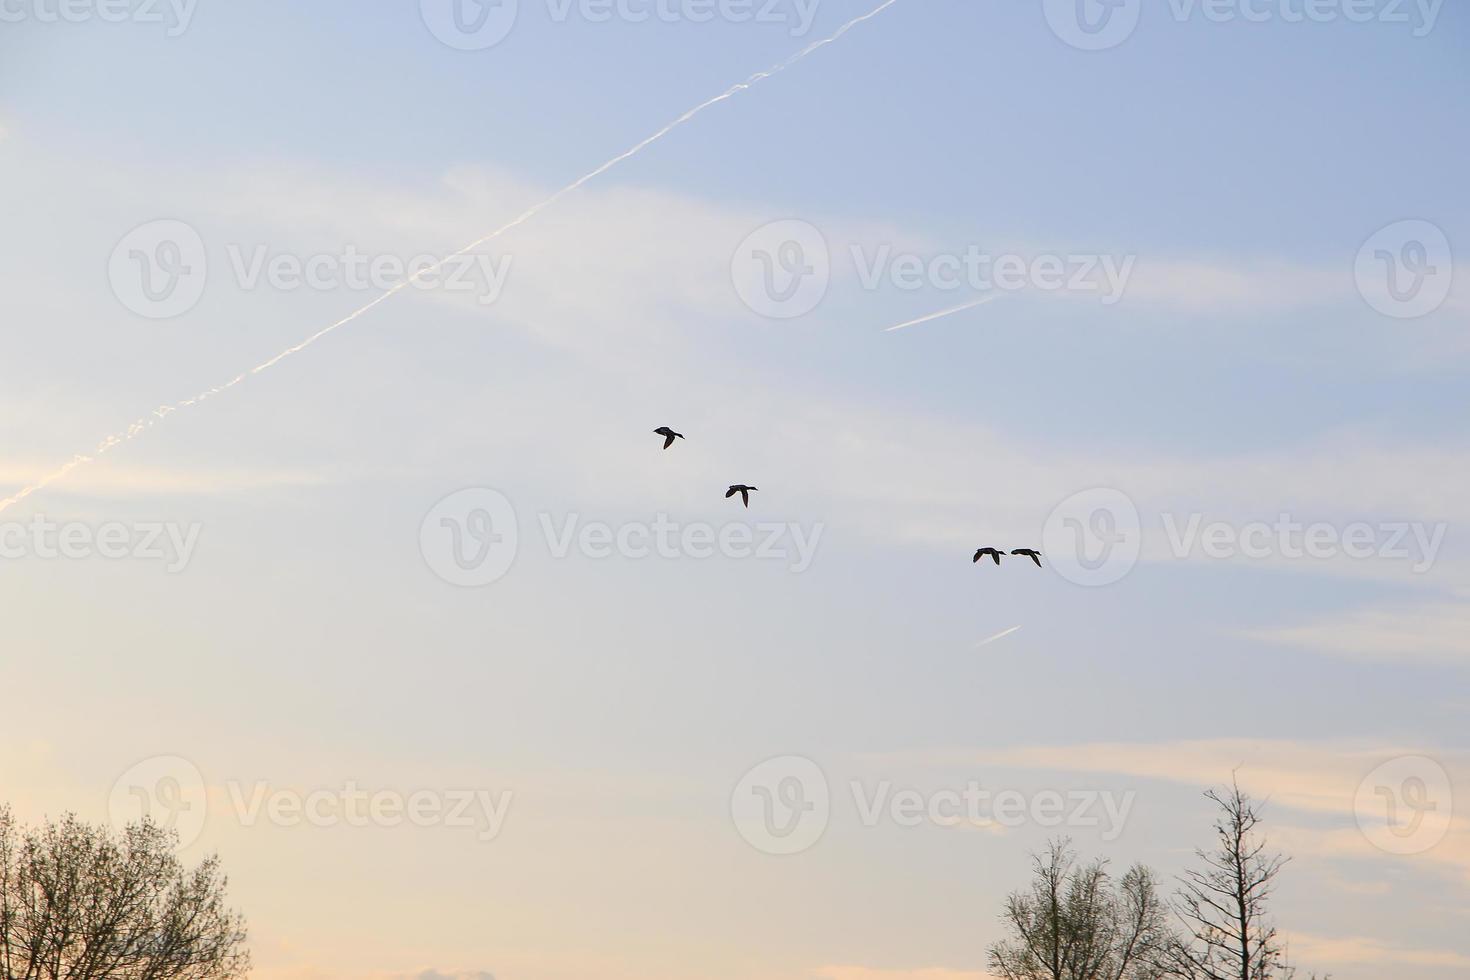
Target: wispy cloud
{"type": "Point", "coordinates": [1424, 632]}
{"type": "Point", "coordinates": [123, 482]}
{"type": "Point", "coordinates": [871, 973]}
{"type": "Point", "coordinates": [1316, 779]}
{"type": "Point", "coordinates": [1362, 951]}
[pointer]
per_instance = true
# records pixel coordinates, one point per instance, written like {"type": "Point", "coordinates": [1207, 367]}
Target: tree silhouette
{"type": "Point", "coordinates": [88, 903]}
{"type": "Point", "coordinates": [1074, 923]}
{"type": "Point", "coordinates": [1223, 906]}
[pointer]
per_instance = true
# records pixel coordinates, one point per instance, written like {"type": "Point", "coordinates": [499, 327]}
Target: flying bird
{"type": "Point", "coordinates": [669, 435]}
{"type": "Point", "coordinates": [741, 489]}
{"type": "Point", "coordinates": [1031, 553]}
{"type": "Point", "coordinates": [993, 553]}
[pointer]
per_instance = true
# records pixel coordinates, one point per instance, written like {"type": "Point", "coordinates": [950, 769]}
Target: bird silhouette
{"type": "Point", "coordinates": [1031, 553]}
{"type": "Point", "coordinates": [741, 489]}
{"type": "Point", "coordinates": [993, 553]}
{"type": "Point", "coordinates": [669, 435]}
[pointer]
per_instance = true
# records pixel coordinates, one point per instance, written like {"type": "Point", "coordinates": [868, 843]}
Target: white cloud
{"type": "Point", "coordinates": [1316, 779]}
{"type": "Point", "coordinates": [870, 973]}
{"type": "Point", "coordinates": [1433, 632]}
{"type": "Point", "coordinates": [611, 275]}
{"type": "Point", "coordinates": [114, 482]}
{"type": "Point", "coordinates": [1362, 951]}
{"type": "Point", "coordinates": [1222, 287]}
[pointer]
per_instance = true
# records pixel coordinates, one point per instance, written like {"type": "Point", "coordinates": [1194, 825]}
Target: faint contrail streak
{"type": "Point", "coordinates": [943, 313]}
{"type": "Point", "coordinates": [159, 414]}
{"type": "Point", "coordinates": [999, 636]}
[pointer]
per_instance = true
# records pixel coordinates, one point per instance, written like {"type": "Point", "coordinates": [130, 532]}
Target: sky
{"type": "Point", "coordinates": [463, 676]}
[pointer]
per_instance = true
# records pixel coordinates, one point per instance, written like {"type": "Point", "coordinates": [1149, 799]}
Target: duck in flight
{"type": "Point", "coordinates": [1031, 553]}
{"type": "Point", "coordinates": [741, 489]}
{"type": "Point", "coordinates": [991, 552]}
{"type": "Point", "coordinates": [669, 435]}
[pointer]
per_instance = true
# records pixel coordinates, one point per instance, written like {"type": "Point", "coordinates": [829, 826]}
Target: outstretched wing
{"type": "Point", "coordinates": [732, 492]}
{"type": "Point", "coordinates": [745, 496]}
{"type": "Point", "coordinates": [668, 440]}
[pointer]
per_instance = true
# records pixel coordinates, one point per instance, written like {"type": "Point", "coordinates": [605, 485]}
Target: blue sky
{"type": "Point", "coordinates": [308, 640]}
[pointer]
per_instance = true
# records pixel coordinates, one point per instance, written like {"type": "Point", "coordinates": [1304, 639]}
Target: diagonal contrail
{"type": "Point", "coordinates": [1001, 635]}
{"type": "Point", "coordinates": [159, 414]}
{"type": "Point", "coordinates": [942, 313]}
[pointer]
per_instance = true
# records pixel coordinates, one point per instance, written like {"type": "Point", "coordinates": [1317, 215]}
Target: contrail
{"type": "Point", "coordinates": [147, 422]}
{"type": "Point", "coordinates": [943, 313]}
{"type": "Point", "coordinates": [1001, 635]}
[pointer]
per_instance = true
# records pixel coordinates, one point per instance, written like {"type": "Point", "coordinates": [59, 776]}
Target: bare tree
{"type": "Point", "coordinates": [1075, 924]}
{"type": "Point", "coordinates": [87, 903]}
{"type": "Point", "coordinates": [1223, 906]}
